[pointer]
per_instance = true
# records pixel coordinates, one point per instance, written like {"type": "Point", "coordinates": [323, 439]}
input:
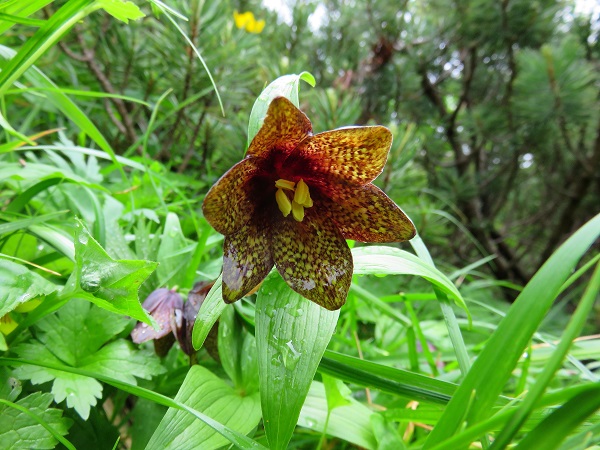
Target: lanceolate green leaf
{"type": "Point", "coordinates": [205, 392]}
{"type": "Point", "coordinates": [388, 260]}
{"type": "Point", "coordinates": [490, 371]}
{"type": "Point", "coordinates": [45, 37]}
{"type": "Point", "coordinates": [385, 378]}
{"type": "Point", "coordinates": [291, 335]}
{"type": "Point", "coordinates": [550, 433]}
{"type": "Point", "coordinates": [576, 324]}
{"type": "Point", "coordinates": [64, 104]}
{"type": "Point", "coordinates": [210, 311]}
{"type": "Point", "coordinates": [285, 86]}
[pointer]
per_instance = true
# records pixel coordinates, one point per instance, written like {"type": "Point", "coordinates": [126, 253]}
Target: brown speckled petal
{"type": "Point", "coordinates": [246, 260]}
{"type": "Point", "coordinates": [366, 214]}
{"type": "Point", "coordinates": [355, 154]}
{"type": "Point", "coordinates": [285, 126]}
{"type": "Point", "coordinates": [313, 258]}
{"type": "Point", "coordinates": [229, 204]}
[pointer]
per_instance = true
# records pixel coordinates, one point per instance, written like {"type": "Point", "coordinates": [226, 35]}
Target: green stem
{"type": "Point", "coordinates": [458, 343]}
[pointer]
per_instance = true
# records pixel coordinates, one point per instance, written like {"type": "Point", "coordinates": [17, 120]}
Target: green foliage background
{"type": "Point", "coordinates": [114, 128]}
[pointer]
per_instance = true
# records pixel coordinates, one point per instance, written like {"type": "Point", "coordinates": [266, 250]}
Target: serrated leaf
{"type": "Point", "coordinates": [19, 285]}
{"type": "Point", "coordinates": [291, 335]}
{"type": "Point", "coordinates": [110, 284]}
{"type": "Point", "coordinates": [19, 430]}
{"type": "Point", "coordinates": [207, 393]}
{"type": "Point", "coordinates": [285, 86]}
{"type": "Point", "coordinates": [122, 10]}
{"type": "Point", "coordinates": [76, 336]}
{"type": "Point", "coordinates": [174, 253]}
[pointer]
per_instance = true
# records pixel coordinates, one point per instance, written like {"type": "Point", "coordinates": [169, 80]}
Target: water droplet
{"type": "Point", "coordinates": [310, 422]}
{"type": "Point", "coordinates": [224, 329]}
{"type": "Point", "coordinates": [296, 312]}
{"type": "Point", "coordinates": [40, 247]}
{"type": "Point", "coordinates": [290, 356]}
{"type": "Point", "coordinates": [83, 238]}
{"type": "Point", "coordinates": [276, 359]}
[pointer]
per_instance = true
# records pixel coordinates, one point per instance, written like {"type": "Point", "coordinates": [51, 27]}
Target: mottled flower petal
{"type": "Point", "coordinates": [229, 204]}
{"type": "Point", "coordinates": [355, 154]}
{"type": "Point", "coordinates": [366, 214]}
{"type": "Point", "coordinates": [313, 258]}
{"type": "Point", "coordinates": [246, 259]}
{"type": "Point", "coordinates": [285, 126]}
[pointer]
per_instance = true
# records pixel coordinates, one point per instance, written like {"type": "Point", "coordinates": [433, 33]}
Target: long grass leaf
{"type": "Point", "coordinates": [492, 369]}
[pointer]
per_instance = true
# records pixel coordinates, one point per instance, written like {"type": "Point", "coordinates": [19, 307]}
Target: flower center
{"type": "Point", "coordinates": [300, 200]}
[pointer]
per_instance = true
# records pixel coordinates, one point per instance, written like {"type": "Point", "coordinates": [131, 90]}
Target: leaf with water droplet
{"type": "Point", "coordinates": [289, 350]}
{"type": "Point", "coordinates": [109, 283]}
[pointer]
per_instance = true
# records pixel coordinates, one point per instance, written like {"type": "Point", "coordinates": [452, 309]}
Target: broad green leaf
{"type": "Point", "coordinates": [21, 425]}
{"type": "Point", "coordinates": [291, 335]}
{"type": "Point", "coordinates": [111, 284]}
{"type": "Point", "coordinates": [285, 86]}
{"type": "Point", "coordinates": [205, 392]}
{"type": "Point", "coordinates": [550, 433]}
{"type": "Point", "coordinates": [77, 336]}
{"type": "Point", "coordinates": [378, 260]}
{"type": "Point", "coordinates": [174, 253]}
{"type": "Point", "coordinates": [210, 311]}
{"type": "Point", "coordinates": [20, 285]}
{"type": "Point", "coordinates": [350, 422]}
{"type": "Point", "coordinates": [122, 9]}
{"type": "Point", "coordinates": [491, 370]}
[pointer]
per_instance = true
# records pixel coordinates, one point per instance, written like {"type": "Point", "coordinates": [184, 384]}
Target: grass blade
{"type": "Point", "coordinates": [492, 369]}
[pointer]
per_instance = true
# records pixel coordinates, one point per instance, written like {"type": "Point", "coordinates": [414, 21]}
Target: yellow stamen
{"type": "Point", "coordinates": [285, 184]}
{"type": "Point", "coordinates": [301, 195]}
{"type": "Point", "coordinates": [285, 206]}
{"type": "Point", "coordinates": [297, 211]}
{"type": "Point", "coordinates": [300, 200]}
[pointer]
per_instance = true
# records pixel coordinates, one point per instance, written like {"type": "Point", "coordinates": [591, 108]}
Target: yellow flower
{"type": "Point", "coordinates": [247, 22]}
{"type": "Point", "coordinates": [7, 324]}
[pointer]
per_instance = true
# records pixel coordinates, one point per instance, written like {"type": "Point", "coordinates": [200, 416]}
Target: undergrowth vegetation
{"type": "Point", "coordinates": [479, 332]}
